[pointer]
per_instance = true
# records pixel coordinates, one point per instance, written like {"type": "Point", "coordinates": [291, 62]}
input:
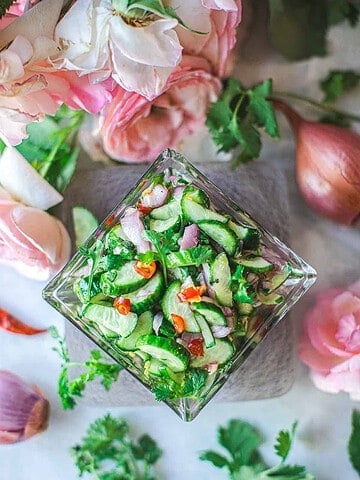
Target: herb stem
{"type": "Point", "coordinates": [316, 104]}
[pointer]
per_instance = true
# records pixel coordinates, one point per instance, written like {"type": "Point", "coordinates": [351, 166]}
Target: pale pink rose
{"type": "Point", "coordinates": [32, 241]}
{"type": "Point", "coordinates": [218, 19]}
{"type": "Point", "coordinates": [330, 345]}
{"type": "Point", "coordinates": [137, 130]}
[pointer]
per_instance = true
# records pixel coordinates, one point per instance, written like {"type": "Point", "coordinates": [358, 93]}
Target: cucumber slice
{"type": "Point", "coordinates": [221, 353]}
{"type": "Point", "coordinates": [272, 299]}
{"type": "Point", "coordinates": [278, 279]}
{"type": "Point", "coordinates": [194, 212]}
{"type": "Point", "coordinates": [197, 195]}
{"type": "Point", "coordinates": [171, 304]}
{"type": "Point", "coordinates": [189, 256]}
{"type": "Point", "coordinates": [121, 281]}
{"type": "Point", "coordinates": [220, 278]}
{"type": "Point", "coordinates": [169, 210]}
{"type": "Point", "coordinates": [149, 295]}
{"type": "Point", "coordinates": [167, 350]}
{"type": "Point", "coordinates": [255, 264]}
{"type": "Point", "coordinates": [84, 224]}
{"type": "Point", "coordinates": [143, 327]}
{"type": "Point", "coordinates": [206, 332]}
{"type": "Point", "coordinates": [250, 236]}
{"type": "Point", "coordinates": [164, 225]}
{"type": "Point", "coordinates": [109, 318]}
{"type": "Point", "coordinates": [211, 312]}
{"type": "Point", "coordinates": [221, 234]}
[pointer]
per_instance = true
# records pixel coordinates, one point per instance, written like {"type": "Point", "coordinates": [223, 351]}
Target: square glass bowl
{"type": "Point", "coordinates": [179, 285]}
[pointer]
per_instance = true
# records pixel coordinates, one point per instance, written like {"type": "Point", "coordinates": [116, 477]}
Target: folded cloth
{"type": "Point", "coordinates": [261, 190]}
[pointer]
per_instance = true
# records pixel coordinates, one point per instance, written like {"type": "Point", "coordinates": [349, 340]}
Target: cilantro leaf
{"type": "Point", "coordinates": [95, 367]}
{"type": "Point", "coordinates": [4, 5]}
{"type": "Point", "coordinates": [354, 441]}
{"type": "Point", "coordinates": [235, 118]}
{"type": "Point", "coordinates": [107, 444]}
{"type": "Point", "coordinates": [284, 441]}
{"type": "Point", "coordinates": [242, 287]}
{"type": "Point", "coordinates": [215, 458]}
{"type": "Point", "coordinates": [338, 82]}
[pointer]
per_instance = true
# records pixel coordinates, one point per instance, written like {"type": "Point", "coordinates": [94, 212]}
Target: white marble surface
{"type": "Point", "coordinates": [324, 419]}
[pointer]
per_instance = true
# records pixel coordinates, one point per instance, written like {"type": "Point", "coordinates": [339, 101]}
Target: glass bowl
{"type": "Point", "coordinates": [179, 285]}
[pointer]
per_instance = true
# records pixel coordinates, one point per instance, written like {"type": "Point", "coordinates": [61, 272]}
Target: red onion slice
{"type": "Point", "coordinates": [134, 229]}
{"type": "Point", "coordinates": [220, 331]}
{"type": "Point", "coordinates": [190, 237]}
{"type": "Point", "coordinates": [158, 319]}
{"type": "Point", "coordinates": [155, 197]}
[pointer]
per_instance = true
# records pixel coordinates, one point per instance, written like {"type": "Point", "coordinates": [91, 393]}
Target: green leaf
{"type": "Point", "coordinates": [339, 82]}
{"type": "Point", "coordinates": [262, 108]}
{"type": "Point", "coordinates": [354, 441]}
{"type": "Point", "coordinates": [215, 458]}
{"type": "Point", "coordinates": [340, 10]}
{"type": "Point", "coordinates": [147, 449]}
{"type": "Point", "coordinates": [285, 472]}
{"type": "Point", "coordinates": [5, 5]}
{"type": "Point", "coordinates": [298, 27]}
{"type": "Point", "coordinates": [284, 442]}
{"type": "Point", "coordinates": [195, 380]}
{"type": "Point", "coordinates": [241, 440]}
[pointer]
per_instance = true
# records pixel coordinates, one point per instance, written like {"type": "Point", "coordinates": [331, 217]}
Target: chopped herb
{"type": "Point", "coordinates": [107, 452]}
{"type": "Point", "coordinates": [338, 82]}
{"type": "Point", "coordinates": [96, 367]}
{"type": "Point", "coordinates": [242, 287]}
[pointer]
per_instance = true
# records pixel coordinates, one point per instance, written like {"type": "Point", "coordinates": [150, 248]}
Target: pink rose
{"type": "Point", "coordinates": [136, 130]}
{"type": "Point", "coordinates": [32, 241]}
{"type": "Point", "coordinates": [219, 19]}
{"type": "Point", "coordinates": [330, 345]}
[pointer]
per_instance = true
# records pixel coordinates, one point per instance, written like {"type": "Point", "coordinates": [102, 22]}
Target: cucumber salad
{"type": "Point", "coordinates": [179, 287]}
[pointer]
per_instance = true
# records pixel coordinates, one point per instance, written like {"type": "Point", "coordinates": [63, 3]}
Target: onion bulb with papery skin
{"type": "Point", "coordinates": [327, 166]}
{"type": "Point", "coordinates": [24, 411]}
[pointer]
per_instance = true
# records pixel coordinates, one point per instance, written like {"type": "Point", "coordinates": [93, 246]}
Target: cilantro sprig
{"type": "Point", "coordinates": [244, 461]}
{"type": "Point", "coordinates": [108, 453]}
{"type": "Point", "coordinates": [95, 367]}
{"type": "Point", "coordinates": [338, 82]}
{"type": "Point", "coordinates": [236, 118]}
{"type": "Point", "coordinates": [354, 441]}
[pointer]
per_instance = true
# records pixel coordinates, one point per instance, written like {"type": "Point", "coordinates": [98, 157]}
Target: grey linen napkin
{"type": "Point", "coordinates": [261, 190]}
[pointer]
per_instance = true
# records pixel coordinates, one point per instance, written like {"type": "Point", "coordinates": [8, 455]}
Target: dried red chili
{"type": "Point", "coordinates": [11, 324]}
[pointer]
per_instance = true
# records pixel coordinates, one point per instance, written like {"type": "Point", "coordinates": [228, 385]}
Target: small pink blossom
{"type": "Point", "coordinates": [32, 241]}
{"type": "Point", "coordinates": [137, 130]}
{"type": "Point", "coordinates": [330, 345]}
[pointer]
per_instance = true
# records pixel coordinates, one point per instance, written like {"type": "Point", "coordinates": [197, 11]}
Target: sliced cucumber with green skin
{"type": "Point", "coordinates": [121, 281]}
{"type": "Point", "coordinates": [167, 350]}
{"type": "Point", "coordinates": [250, 236]}
{"type": "Point", "coordinates": [278, 279]}
{"type": "Point", "coordinates": [211, 312]}
{"type": "Point", "coordinates": [220, 353]}
{"type": "Point", "coordinates": [271, 299]}
{"type": "Point", "coordinates": [106, 332]}
{"type": "Point", "coordinates": [148, 296]}
{"type": "Point", "coordinates": [109, 318]}
{"type": "Point", "coordinates": [172, 305]}
{"type": "Point", "coordinates": [255, 264]}
{"type": "Point", "coordinates": [206, 332]}
{"type": "Point", "coordinates": [164, 225]}
{"type": "Point", "coordinates": [197, 195]}
{"type": "Point", "coordinates": [195, 213]}
{"type": "Point", "coordinates": [143, 327]}
{"type": "Point", "coordinates": [169, 210]}
{"type": "Point", "coordinates": [220, 279]}
{"type": "Point", "coordinates": [221, 234]}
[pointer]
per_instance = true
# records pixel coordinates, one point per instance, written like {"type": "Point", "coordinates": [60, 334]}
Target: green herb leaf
{"type": "Point", "coordinates": [340, 10]}
{"type": "Point", "coordinates": [354, 441]}
{"type": "Point", "coordinates": [96, 367]}
{"type": "Point", "coordinates": [107, 445]}
{"type": "Point", "coordinates": [285, 472]}
{"type": "Point", "coordinates": [234, 120]}
{"type": "Point", "coordinates": [5, 5]}
{"type": "Point", "coordinates": [337, 83]}
{"type": "Point", "coordinates": [298, 27]}
{"type": "Point", "coordinates": [215, 458]}
{"type": "Point", "coordinates": [194, 381]}
{"type": "Point", "coordinates": [242, 287]}
{"type": "Point", "coordinates": [284, 441]}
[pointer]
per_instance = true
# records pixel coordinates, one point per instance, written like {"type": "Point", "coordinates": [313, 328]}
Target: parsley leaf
{"type": "Point", "coordinates": [95, 367]}
{"type": "Point", "coordinates": [242, 441]}
{"type": "Point", "coordinates": [166, 388]}
{"type": "Point", "coordinates": [107, 444]}
{"type": "Point", "coordinates": [338, 82]}
{"type": "Point", "coordinates": [242, 287]}
{"type": "Point", "coordinates": [354, 441]}
{"type": "Point", "coordinates": [284, 441]}
{"type": "Point", "coordinates": [235, 118]}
